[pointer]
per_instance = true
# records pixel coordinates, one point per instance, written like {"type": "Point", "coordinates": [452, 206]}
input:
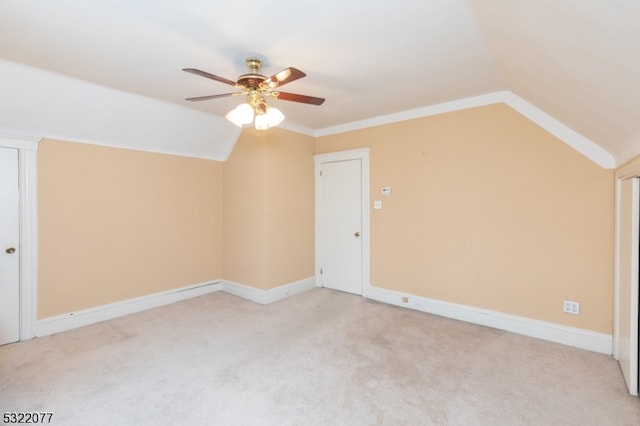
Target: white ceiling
{"type": "Point", "coordinates": [109, 71]}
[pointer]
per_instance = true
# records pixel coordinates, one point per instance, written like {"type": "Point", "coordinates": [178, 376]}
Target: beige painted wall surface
{"type": "Point", "coordinates": [116, 224]}
{"type": "Point", "coordinates": [290, 196]}
{"type": "Point", "coordinates": [244, 211]}
{"type": "Point", "coordinates": [489, 210]}
{"type": "Point", "coordinates": [269, 209]}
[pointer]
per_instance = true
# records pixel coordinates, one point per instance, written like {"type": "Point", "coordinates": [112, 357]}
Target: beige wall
{"type": "Point", "coordinates": [116, 224]}
{"type": "Point", "coordinates": [269, 209]}
{"type": "Point", "coordinates": [489, 210]}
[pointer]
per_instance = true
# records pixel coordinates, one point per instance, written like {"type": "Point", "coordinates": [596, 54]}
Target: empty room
{"type": "Point", "coordinates": [320, 213]}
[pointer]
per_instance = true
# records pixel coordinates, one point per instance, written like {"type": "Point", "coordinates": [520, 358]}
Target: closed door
{"type": "Point", "coordinates": [9, 254]}
{"type": "Point", "coordinates": [341, 225]}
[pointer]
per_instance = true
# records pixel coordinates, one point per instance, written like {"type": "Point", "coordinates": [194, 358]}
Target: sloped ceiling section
{"type": "Point", "coordinates": [576, 60]}
{"type": "Point", "coordinates": [38, 103]}
{"type": "Point", "coordinates": [109, 71]}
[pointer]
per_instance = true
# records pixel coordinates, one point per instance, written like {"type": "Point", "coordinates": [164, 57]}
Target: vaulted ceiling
{"type": "Point", "coordinates": [109, 71]}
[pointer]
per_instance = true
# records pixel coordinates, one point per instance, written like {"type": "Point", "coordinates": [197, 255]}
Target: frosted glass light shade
{"type": "Point", "coordinates": [240, 115]}
{"type": "Point", "coordinates": [274, 116]}
{"type": "Point", "coordinates": [271, 118]}
{"type": "Point", "coordinates": [261, 122]}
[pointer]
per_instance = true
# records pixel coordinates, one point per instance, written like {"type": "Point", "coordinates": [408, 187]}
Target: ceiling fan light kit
{"type": "Point", "coordinates": [256, 87]}
{"type": "Point", "coordinates": [244, 114]}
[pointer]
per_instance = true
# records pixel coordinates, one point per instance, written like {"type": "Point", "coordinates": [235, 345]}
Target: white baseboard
{"type": "Point", "coordinates": [71, 320]}
{"type": "Point", "coordinates": [584, 339]}
{"type": "Point", "coordinates": [265, 297]}
{"type": "Point", "coordinates": [571, 336]}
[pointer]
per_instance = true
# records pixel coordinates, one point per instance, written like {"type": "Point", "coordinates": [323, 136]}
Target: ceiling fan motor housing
{"type": "Point", "coordinates": [251, 81]}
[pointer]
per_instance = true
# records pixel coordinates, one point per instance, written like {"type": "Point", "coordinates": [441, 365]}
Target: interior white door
{"type": "Point", "coordinates": [340, 225]}
{"type": "Point", "coordinates": [627, 285]}
{"type": "Point", "coordinates": [9, 249]}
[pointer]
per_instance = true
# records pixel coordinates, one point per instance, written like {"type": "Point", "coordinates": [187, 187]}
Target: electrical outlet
{"type": "Point", "coordinates": [571, 307]}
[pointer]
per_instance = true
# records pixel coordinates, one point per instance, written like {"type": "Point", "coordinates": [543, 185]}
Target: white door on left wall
{"type": "Point", "coordinates": [9, 247]}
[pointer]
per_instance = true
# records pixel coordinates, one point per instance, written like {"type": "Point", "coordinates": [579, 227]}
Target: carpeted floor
{"type": "Point", "coordinates": [318, 358]}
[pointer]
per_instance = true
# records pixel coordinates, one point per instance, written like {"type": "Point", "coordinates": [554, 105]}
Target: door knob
{"type": "Point", "coordinates": [357, 234]}
{"type": "Point", "coordinates": [10, 250]}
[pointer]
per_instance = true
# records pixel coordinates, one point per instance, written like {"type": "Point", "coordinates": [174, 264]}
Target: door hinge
{"type": "Point", "coordinates": [320, 271]}
{"type": "Point", "coordinates": [320, 173]}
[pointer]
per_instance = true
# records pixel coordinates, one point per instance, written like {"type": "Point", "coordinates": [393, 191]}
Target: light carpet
{"type": "Point", "coordinates": [318, 358]}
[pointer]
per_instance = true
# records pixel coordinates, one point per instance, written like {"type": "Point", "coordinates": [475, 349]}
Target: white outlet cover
{"type": "Point", "coordinates": [571, 307]}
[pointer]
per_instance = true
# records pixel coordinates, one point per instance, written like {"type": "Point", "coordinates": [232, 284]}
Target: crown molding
{"type": "Point", "coordinates": [580, 143]}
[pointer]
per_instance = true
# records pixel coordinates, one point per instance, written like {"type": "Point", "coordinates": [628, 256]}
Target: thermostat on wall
{"type": "Point", "coordinates": [386, 190]}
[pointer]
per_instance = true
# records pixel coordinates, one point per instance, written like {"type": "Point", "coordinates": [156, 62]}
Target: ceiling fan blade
{"type": "Point", "coordinates": [208, 75]}
{"type": "Point", "coordinates": [283, 77]}
{"type": "Point", "coordinates": [299, 98]}
{"type": "Point", "coordinates": [204, 98]}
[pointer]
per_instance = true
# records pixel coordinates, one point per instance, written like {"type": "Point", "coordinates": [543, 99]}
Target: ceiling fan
{"type": "Point", "coordinates": [257, 87]}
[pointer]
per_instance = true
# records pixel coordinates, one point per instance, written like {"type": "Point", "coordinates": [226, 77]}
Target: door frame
{"type": "Point", "coordinates": [361, 154]}
{"type": "Point", "coordinates": [28, 245]}
{"type": "Point", "coordinates": [629, 171]}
